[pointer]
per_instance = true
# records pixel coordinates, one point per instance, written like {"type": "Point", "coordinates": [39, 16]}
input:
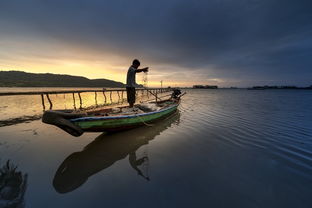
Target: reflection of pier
{"type": "Point", "coordinates": [106, 93]}
{"type": "Point", "coordinates": [104, 151]}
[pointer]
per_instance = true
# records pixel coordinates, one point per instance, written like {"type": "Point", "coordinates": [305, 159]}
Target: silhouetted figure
{"type": "Point", "coordinates": [131, 84]}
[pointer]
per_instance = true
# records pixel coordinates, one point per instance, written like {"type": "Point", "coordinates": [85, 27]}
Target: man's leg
{"type": "Point", "coordinates": [131, 96]}
{"type": "Point", "coordinates": [132, 100]}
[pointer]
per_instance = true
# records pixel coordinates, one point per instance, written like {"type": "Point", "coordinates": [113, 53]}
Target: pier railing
{"type": "Point", "coordinates": [107, 94]}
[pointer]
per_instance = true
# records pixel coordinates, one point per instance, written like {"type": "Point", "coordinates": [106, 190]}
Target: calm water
{"type": "Point", "coordinates": [223, 148]}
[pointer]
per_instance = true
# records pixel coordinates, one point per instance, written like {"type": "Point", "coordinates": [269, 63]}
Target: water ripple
{"type": "Point", "coordinates": [280, 129]}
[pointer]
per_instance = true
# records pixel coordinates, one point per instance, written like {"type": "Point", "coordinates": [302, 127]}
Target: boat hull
{"type": "Point", "coordinates": [118, 123]}
{"type": "Point", "coordinates": [94, 121]}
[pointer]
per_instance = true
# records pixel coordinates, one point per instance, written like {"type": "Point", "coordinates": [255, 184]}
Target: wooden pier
{"type": "Point", "coordinates": [107, 93]}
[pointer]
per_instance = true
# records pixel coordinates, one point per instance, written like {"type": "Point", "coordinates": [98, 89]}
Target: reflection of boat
{"type": "Point", "coordinates": [104, 151]}
{"type": "Point", "coordinates": [107, 120]}
{"type": "Point", "coordinates": [12, 186]}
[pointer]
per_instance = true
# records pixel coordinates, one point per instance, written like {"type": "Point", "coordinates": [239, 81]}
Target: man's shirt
{"type": "Point", "coordinates": [131, 77]}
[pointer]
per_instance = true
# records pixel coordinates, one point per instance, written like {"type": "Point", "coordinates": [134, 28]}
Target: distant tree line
{"type": "Point", "coordinates": [278, 87]}
{"type": "Point", "coordinates": [205, 86]}
{"type": "Point", "coordinates": [23, 79]}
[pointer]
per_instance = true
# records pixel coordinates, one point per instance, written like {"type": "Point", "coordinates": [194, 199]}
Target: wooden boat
{"type": "Point", "coordinates": [109, 120]}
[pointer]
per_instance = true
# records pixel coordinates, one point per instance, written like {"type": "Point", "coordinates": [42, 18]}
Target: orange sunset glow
{"type": "Point", "coordinates": [48, 55]}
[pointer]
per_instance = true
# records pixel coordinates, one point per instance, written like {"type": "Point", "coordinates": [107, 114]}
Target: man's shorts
{"type": "Point", "coordinates": [131, 94]}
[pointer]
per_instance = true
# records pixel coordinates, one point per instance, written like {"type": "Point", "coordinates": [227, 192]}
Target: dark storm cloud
{"type": "Point", "coordinates": [245, 39]}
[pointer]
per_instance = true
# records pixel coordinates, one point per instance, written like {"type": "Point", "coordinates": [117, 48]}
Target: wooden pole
{"type": "Point", "coordinates": [118, 96]}
{"type": "Point", "coordinates": [105, 99]}
{"type": "Point", "coordinates": [74, 101]}
{"type": "Point", "coordinates": [80, 100]}
{"type": "Point", "coordinates": [50, 102]}
{"type": "Point", "coordinates": [42, 100]}
{"type": "Point", "coordinates": [95, 97]}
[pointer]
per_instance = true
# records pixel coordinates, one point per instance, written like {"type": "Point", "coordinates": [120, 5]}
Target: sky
{"type": "Point", "coordinates": [184, 42]}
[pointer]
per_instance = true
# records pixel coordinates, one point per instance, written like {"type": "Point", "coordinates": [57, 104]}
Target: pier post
{"type": "Point", "coordinates": [74, 101]}
{"type": "Point", "coordinates": [42, 100]}
{"type": "Point", "coordinates": [118, 96]}
{"type": "Point", "coordinates": [80, 100]}
{"type": "Point", "coordinates": [95, 97]}
{"type": "Point", "coordinates": [105, 99]}
{"type": "Point", "coordinates": [50, 102]}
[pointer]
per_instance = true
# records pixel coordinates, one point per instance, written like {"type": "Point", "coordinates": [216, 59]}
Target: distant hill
{"type": "Point", "coordinates": [24, 79]}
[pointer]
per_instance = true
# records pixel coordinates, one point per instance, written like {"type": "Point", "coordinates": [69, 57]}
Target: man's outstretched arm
{"type": "Point", "coordinates": [142, 70]}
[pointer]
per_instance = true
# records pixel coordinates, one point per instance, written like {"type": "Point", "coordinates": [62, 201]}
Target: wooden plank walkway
{"type": "Point", "coordinates": [153, 91]}
{"type": "Point", "coordinates": [159, 90]}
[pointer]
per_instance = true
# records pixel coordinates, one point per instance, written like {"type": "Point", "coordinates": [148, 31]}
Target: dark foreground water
{"type": "Point", "coordinates": [223, 148]}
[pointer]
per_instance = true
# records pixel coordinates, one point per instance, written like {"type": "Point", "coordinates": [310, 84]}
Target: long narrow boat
{"type": "Point", "coordinates": [109, 120]}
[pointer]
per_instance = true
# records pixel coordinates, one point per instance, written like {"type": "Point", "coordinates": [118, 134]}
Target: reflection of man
{"type": "Point", "coordinates": [131, 84]}
{"type": "Point", "coordinates": [135, 163]}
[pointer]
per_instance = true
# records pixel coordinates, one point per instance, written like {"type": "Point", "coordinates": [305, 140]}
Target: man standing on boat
{"type": "Point", "coordinates": [131, 84]}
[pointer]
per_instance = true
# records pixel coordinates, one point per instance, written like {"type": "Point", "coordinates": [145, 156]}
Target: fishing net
{"type": "Point", "coordinates": [144, 79]}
